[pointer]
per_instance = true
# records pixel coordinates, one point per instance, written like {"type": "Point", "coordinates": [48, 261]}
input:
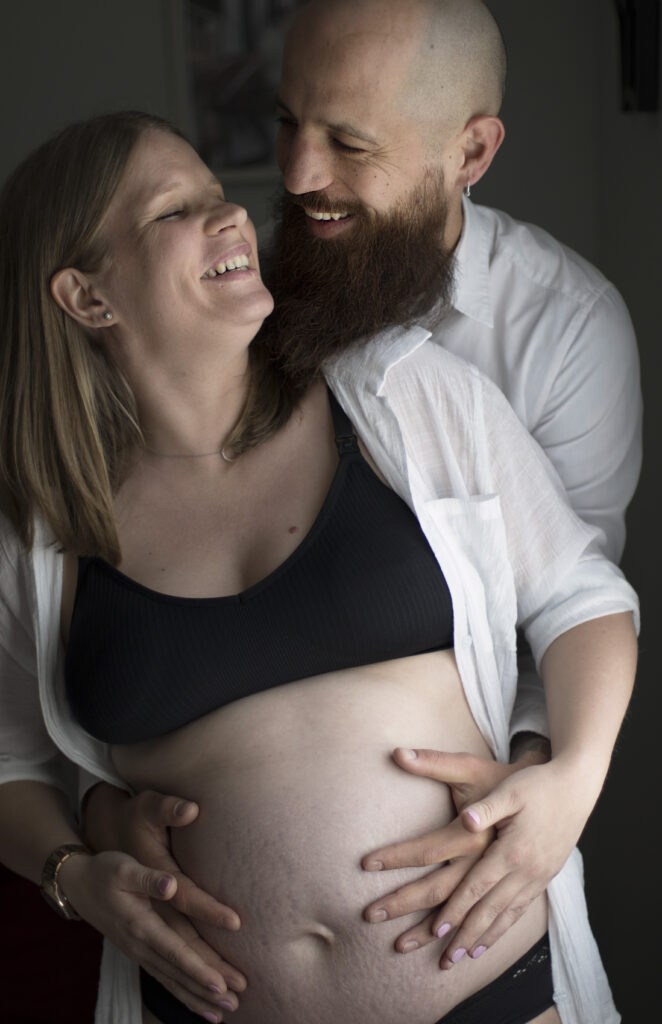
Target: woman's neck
{"type": "Point", "coordinates": [190, 410]}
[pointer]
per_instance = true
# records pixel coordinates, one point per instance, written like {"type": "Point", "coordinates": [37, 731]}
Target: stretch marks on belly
{"type": "Point", "coordinates": [362, 587]}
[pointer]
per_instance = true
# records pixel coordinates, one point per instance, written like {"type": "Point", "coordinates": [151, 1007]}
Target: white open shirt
{"type": "Point", "coordinates": [512, 551]}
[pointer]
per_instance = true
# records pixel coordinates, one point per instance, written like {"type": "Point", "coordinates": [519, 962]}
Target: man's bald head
{"type": "Point", "coordinates": [459, 71]}
{"type": "Point", "coordinates": [455, 54]}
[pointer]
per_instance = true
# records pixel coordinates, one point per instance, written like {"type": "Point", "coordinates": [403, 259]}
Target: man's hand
{"type": "Point", "coordinates": [493, 860]}
{"type": "Point", "coordinates": [139, 827]}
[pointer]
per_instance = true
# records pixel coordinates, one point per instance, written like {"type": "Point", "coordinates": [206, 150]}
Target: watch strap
{"type": "Point", "coordinates": [50, 886]}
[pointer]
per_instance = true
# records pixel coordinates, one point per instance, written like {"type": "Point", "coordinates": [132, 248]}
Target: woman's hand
{"type": "Point", "coordinates": [515, 832]}
{"type": "Point", "coordinates": [115, 894]}
{"type": "Point", "coordinates": [139, 826]}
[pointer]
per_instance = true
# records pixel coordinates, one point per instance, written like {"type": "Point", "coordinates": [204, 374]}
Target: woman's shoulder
{"type": "Point", "coordinates": [15, 557]}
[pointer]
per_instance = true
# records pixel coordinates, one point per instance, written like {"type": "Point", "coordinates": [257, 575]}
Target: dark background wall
{"type": "Point", "coordinates": [572, 162]}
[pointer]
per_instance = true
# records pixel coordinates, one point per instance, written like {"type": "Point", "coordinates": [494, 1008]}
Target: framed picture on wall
{"type": "Point", "coordinates": [234, 51]}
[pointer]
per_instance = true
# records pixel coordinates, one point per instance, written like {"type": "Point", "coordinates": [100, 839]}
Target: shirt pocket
{"type": "Point", "coordinates": [468, 537]}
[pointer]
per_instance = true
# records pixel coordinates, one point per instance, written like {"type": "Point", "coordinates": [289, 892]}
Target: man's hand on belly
{"type": "Point", "coordinates": [479, 905]}
{"type": "Point", "coordinates": [139, 826]}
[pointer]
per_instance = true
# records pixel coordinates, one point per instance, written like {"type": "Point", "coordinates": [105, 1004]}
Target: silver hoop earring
{"type": "Point", "coordinates": [467, 190]}
{"type": "Point", "coordinates": [108, 315]}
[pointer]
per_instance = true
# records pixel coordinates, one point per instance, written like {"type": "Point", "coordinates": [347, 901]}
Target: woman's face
{"type": "Point", "coordinates": [172, 243]}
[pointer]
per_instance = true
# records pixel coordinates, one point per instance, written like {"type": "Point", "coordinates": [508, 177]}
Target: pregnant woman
{"type": "Point", "coordinates": [247, 590]}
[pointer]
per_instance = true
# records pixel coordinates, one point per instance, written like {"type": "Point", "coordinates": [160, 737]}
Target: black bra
{"type": "Point", "coordinates": [362, 587]}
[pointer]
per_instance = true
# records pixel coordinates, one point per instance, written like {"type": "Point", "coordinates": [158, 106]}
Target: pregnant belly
{"type": "Point", "coordinates": [295, 786]}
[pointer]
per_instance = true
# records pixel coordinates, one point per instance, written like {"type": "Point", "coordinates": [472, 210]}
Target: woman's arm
{"type": "Point", "coordinates": [563, 586]}
{"type": "Point", "coordinates": [111, 891]}
{"type": "Point", "coordinates": [538, 812]}
{"type": "Point", "coordinates": [588, 673]}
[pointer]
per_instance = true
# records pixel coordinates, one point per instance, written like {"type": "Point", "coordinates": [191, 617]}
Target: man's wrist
{"type": "Point", "coordinates": [100, 816]}
{"type": "Point", "coordinates": [530, 747]}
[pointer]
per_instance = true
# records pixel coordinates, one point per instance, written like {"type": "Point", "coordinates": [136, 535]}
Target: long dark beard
{"type": "Point", "coordinates": [329, 293]}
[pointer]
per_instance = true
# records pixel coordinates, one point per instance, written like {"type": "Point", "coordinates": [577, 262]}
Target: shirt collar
{"type": "Point", "coordinates": [472, 268]}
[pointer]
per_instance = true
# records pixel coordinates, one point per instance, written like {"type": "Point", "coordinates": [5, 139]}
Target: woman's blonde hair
{"type": "Point", "coordinates": [68, 419]}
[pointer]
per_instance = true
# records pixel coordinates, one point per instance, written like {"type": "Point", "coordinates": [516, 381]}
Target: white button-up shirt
{"type": "Point", "coordinates": [556, 338]}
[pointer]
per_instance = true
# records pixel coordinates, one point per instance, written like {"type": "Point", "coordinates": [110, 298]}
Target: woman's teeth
{"type": "Point", "coordinates": [236, 263]}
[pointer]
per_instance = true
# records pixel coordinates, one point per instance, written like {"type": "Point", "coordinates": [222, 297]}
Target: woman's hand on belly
{"type": "Point", "coordinates": [490, 870]}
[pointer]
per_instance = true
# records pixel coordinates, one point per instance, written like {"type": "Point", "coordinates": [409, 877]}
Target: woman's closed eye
{"type": "Point", "coordinates": [170, 214]}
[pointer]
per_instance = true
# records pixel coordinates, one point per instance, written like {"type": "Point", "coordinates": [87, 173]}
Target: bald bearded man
{"type": "Point", "coordinates": [388, 114]}
{"type": "Point", "coordinates": [388, 117]}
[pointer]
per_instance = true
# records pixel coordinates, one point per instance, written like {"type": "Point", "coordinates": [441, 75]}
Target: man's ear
{"type": "Point", "coordinates": [75, 294]}
{"type": "Point", "coordinates": [482, 137]}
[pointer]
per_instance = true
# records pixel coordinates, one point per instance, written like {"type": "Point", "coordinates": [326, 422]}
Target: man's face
{"type": "Point", "coordinates": [360, 242]}
{"type": "Point", "coordinates": [343, 141]}
{"type": "Point", "coordinates": [390, 268]}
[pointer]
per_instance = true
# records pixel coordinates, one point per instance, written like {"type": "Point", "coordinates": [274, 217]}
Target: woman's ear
{"type": "Point", "coordinates": [482, 137]}
{"type": "Point", "coordinates": [74, 293]}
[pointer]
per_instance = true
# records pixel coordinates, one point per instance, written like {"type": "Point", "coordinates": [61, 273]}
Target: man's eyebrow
{"type": "Point", "coordinates": [342, 127]}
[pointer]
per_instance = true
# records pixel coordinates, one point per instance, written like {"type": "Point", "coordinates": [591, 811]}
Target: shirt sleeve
{"type": "Point", "coordinates": [590, 422]}
{"type": "Point", "coordinates": [562, 578]}
{"type": "Point", "coordinates": [26, 750]}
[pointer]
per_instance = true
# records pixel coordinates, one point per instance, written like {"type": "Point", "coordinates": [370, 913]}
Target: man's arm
{"type": "Point", "coordinates": [528, 748]}
{"type": "Point", "coordinates": [590, 421]}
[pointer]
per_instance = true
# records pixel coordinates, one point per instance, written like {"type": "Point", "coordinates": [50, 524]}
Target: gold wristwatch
{"type": "Point", "coordinates": [50, 888]}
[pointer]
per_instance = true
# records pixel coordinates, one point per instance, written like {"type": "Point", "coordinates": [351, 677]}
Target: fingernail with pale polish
{"type": "Point", "coordinates": [226, 1005]}
{"type": "Point", "coordinates": [211, 1017]}
{"type": "Point", "coordinates": [374, 865]}
{"type": "Point", "coordinates": [181, 808]}
{"type": "Point", "coordinates": [474, 817]}
{"type": "Point", "coordinates": [442, 930]}
{"type": "Point", "coordinates": [410, 945]}
{"type": "Point", "coordinates": [216, 989]}
{"type": "Point", "coordinates": [408, 755]}
{"type": "Point", "coordinates": [377, 915]}
{"type": "Point", "coordinates": [478, 951]}
{"type": "Point", "coordinates": [458, 954]}
{"type": "Point", "coordinates": [163, 885]}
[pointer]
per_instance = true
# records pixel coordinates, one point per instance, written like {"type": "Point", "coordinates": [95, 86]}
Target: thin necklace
{"type": "Point", "coordinates": [190, 455]}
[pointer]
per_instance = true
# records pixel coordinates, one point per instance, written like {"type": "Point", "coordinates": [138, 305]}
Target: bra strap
{"type": "Point", "coordinates": [346, 440]}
